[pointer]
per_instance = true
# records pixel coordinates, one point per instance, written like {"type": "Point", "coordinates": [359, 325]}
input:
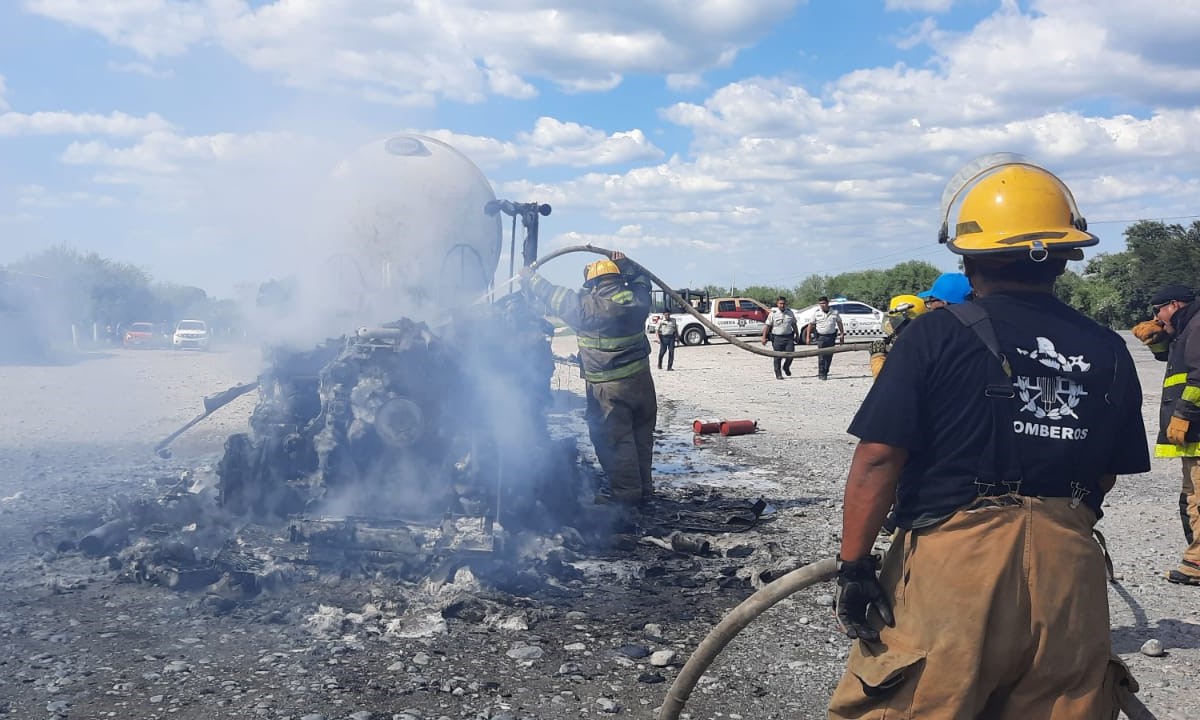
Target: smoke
{"type": "Point", "coordinates": [36, 326]}
{"type": "Point", "coordinates": [398, 230]}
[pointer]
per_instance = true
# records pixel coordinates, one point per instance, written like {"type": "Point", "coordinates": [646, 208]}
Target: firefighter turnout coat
{"type": "Point", "coordinates": [609, 320]}
{"type": "Point", "coordinates": [1181, 385]}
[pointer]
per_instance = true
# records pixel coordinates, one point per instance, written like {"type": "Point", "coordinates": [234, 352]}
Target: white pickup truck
{"type": "Point", "coordinates": [740, 316]}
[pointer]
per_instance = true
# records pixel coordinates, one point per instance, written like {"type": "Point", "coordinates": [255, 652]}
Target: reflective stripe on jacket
{"type": "Point", "coordinates": [609, 320]}
{"type": "Point", "coordinates": [1181, 385]}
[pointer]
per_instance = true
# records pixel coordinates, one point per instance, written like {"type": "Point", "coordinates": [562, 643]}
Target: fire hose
{"type": "Point", "coordinates": [768, 596]}
{"type": "Point", "coordinates": [681, 302]}
{"type": "Point", "coordinates": [733, 623]}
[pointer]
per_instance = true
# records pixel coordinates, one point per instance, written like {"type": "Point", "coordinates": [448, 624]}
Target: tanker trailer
{"type": "Point", "coordinates": [401, 229]}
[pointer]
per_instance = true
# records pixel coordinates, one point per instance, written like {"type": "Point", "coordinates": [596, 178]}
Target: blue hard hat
{"type": "Point", "coordinates": [953, 288]}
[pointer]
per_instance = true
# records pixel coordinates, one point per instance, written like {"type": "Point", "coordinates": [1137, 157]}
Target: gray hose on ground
{"type": "Point", "coordinates": [696, 314]}
{"type": "Point", "coordinates": [733, 623]}
{"type": "Point", "coordinates": [767, 596]}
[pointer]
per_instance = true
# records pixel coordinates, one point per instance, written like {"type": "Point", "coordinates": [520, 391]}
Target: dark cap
{"type": "Point", "coordinates": [1182, 293]}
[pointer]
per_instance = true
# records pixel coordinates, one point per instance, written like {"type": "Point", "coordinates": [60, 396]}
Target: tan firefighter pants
{"type": "Point", "coordinates": [621, 415]}
{"type": "Point", "coordinates": [1190, 506]}
{"type": "Point", "coordinates": [1001, 614]}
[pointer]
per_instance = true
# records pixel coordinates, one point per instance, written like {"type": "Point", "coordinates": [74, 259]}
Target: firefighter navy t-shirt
{"type": "Point", "coordinates": [1063, 431]}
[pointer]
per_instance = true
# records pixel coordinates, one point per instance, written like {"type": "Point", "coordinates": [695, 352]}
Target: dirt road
{"type": "Point", "coordinates": [76, 643]}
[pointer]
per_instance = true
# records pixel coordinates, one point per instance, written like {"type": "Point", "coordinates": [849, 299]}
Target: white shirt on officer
{"type": "Point", "coordinates": [782, 322]}
{"type": "Point", "coordinates": [826, 322]}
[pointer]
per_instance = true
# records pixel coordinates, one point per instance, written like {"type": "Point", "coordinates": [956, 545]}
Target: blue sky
{"type": "Point", "coordinates": [710, 139]}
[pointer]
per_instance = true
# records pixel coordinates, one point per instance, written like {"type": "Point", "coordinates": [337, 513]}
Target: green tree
{"type": "Point", "coordinates": [89, 288]}
{"type": "Point", "coordinates": [1115, 288]}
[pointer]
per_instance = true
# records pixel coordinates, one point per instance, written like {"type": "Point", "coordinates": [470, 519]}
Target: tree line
{"type": "Point", "coordinates": [67, 286]}
{"type": "Point", "coordinates": [1112, 288]}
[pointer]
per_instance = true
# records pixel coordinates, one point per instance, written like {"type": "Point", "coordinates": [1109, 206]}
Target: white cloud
{"type": "Point", "coordinates": [631, 238]}
{"type": "Point", "coordinates": [1161, 33]}
{"type": "Point", "coordinates": [38, 196]}
{"type": "Point", "coordinates": [162, 152]}
{"type": "Point", "coordinates": [140, 68]}
{"type": "Point", "coordinates": [932, 6]}
{"type": "Point", "coordinates": [153, 28]}
{"type": "Point", "coordinates": [65, 123]}
{"type": "Point", "coordinates": [554, 142]}
{"type": "Point", "coordinates": [459, 49]}
{"type": "Point", "coordinates": [3, 88]}
{"type": "Point", "coordinates": [17, 218]}
{"type": "Point", "coordinates": [483, 151]}
{"type": "Point", "coordinates": [1068, 51]}
{"type": "Point", "coordinates": [684, 81]}
{"type": "Point", "coordinates": [503, 82]}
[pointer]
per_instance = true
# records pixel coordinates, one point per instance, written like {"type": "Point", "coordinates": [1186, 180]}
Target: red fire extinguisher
{"type": "Point", "coordinates": [738, 427]}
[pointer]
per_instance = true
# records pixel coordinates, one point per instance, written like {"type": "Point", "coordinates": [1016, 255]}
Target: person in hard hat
{"type": "Point", "coordinates": [902, 309]}
{"type": "Point", "coordinates": [1174, 335]}
{"type": "Point", "coordinates": [948, 289]}
{"type": "Point", "coordinates": [608, 315]}
{"type": "Point", "coordinates": [1016, 413]}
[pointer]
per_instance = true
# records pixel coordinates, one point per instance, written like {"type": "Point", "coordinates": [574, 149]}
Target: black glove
{"type": "Point", "coordinates": [859, 589]}
{"type": "Point", "coordinates": [879, 347]}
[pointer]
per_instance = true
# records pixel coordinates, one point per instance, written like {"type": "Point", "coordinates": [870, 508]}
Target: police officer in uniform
{"type": "Point", "coordinates": [783, 332]}
{"type": "Point", "coordinates": [609, 315]}
{"type": "Point", "coordinates": [827, 325]}
{"type": "Point", "coordinates": [1019, 414]}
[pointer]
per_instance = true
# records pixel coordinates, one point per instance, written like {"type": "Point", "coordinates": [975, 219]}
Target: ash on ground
{"type": "Point", "coordinates": [433, 468]}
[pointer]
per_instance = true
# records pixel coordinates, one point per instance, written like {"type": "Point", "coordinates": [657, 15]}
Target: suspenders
{"type": "Point", "coordinates": [1000, 469]}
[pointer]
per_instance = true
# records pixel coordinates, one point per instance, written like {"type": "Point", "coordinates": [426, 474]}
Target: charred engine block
{"type": "Point", "coordinates": [402, 422]}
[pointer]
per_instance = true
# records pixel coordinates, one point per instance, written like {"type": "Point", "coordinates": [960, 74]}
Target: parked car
{"type": "Point", "coordinates": [860, 321]}
{"type": "Point", "coordinates": [738, 316]}
{"type": "Point", "coordinates": [142, 335]}
{"type": "Point", "coordinates": [191, 334]}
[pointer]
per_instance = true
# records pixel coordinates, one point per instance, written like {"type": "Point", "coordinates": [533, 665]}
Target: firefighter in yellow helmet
{"type": "Point", "coordinates": [608, 316]}
{"type": "Point", "coordinates": [1018, 414]}
{"type": "Point", "coordinates": [901, 311]}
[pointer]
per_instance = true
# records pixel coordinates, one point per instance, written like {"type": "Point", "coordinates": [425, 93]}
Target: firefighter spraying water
{"type": "Point", "coordinates": [354, 422]}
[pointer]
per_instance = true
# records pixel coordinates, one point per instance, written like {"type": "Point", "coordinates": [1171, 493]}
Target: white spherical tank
{"type": "Point", "coordinates": [407, 222]}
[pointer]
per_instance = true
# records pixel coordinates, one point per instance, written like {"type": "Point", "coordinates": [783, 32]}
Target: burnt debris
{"type": "Point", "coordinates": [400, 452]}
{"type": "Point", "coordinates": [402, 423]}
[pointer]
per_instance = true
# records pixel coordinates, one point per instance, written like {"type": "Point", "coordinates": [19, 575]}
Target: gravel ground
{"type": "Point", "coordinates": [76, 643]}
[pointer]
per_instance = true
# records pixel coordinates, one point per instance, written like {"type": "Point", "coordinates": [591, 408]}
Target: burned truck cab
{"type": "Point", "coordinates": [438, 411]}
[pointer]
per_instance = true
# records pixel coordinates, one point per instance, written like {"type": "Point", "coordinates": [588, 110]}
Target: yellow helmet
{"type": "Point", "coordinates": [907, 305]}
{"type": "Point", "coordinates": [597, 270]}
{"type": "Point", "coordinates": [1011, 205]}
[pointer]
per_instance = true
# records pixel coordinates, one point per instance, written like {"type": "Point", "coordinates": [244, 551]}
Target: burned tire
{"type": "Point", "coordinates": [693, 335]}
